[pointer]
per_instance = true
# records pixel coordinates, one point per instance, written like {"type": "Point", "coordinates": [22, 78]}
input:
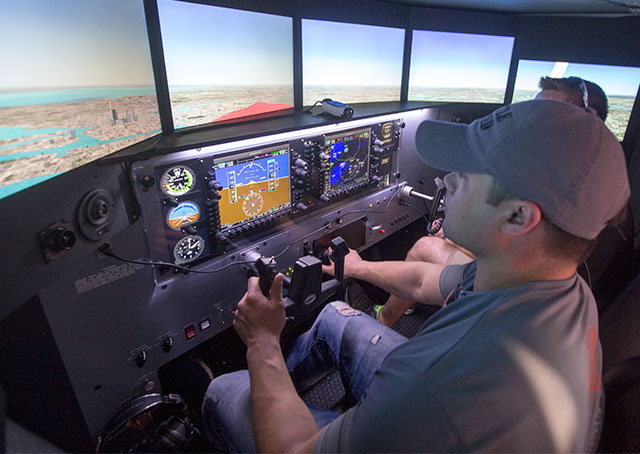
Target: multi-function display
{"type": "Point", "coordinates": [347, 157]}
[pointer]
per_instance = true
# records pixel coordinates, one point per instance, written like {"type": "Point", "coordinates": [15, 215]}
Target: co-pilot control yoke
{"type": "Point", "coordinates": [436, 213]}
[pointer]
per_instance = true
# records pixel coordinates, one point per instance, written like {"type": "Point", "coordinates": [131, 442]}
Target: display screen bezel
{"type": "Point", "coordinates": [242, 157]}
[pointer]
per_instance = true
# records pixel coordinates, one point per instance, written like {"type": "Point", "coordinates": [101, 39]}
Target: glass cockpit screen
{"type": "Point", "coordinates": [347, 157]}
{"type": "Point", "coordinates": [254, 183]}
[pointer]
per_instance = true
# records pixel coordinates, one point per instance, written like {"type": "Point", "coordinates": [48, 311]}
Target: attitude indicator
{"type": "Point", "coordinates": [184, 214]}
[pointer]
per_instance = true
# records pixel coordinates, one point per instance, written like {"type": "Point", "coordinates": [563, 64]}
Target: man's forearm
{"type": "Point", "coordinates": [281, 420]}
{"type": "Point", "coordinates": [416, 281]}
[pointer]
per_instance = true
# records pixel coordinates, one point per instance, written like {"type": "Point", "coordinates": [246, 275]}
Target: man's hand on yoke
{"type": "Point", "coordinates": [258, 318]}
{"type": "Point", "coordinates": [352, 263]}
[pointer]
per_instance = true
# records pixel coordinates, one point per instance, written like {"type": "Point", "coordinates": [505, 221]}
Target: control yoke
{"type": "Point", "coordinates": [265, 268]}
{"type": "Point", "coordinates": [339, 249]}
{"type": "Point", "coordinates": [436, 213]}
{"type": "Point", "coordinates": [305, 289]}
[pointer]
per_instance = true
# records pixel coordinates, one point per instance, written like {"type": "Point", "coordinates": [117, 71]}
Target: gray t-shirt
{"type": "Point", "coordinates": [514, 369]}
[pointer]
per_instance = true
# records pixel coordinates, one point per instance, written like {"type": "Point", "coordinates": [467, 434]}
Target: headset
{"type": "Point", "coordinates": [149, 423]}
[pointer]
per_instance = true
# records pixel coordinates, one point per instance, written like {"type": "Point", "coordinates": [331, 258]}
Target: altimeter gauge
{"type": "Point", "coordinates": [188, 249]}
{"type": "Point", "coordinates": [177, 180]}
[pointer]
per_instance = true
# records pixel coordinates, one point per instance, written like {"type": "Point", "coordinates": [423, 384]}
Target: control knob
{"type": "Point", "coordinates": [213, 184]}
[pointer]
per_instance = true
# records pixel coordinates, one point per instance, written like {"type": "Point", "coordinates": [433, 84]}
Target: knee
{"type": "Point", "coordinates": [226, 413]}
{"type": "Point", "coordinates": [225, 391]}
{"type": "Point", "coordinates": [423, 249]}
{"type": "Point", "coordinates": [332, 319]}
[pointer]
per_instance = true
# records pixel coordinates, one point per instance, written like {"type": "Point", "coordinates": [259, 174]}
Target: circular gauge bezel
{"type": "Point", "coordinates": [179, 260]}
{"type": "Point", "coordinates": [259, 199]}
{"type": "Point", "coordinates": [173, 209]}
{"type": "Point", "coordinates": [173, 193]}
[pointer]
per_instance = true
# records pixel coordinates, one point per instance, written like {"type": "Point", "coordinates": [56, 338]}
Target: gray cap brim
{"type": "Point", "coordinates": [445, 146]}
{"type": "Point", "coordinates": [552, 153]}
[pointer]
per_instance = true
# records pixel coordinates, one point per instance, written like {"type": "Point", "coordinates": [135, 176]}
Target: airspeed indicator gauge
{"type": "Point", "coordinates": [178, 180]}
{"type": "Point", "coordinates": [188, 249]}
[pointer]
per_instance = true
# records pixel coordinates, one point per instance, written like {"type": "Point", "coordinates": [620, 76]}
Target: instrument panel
{"type": "Point", "coordinates": [182, 228]}
{"type": "Point", "coordinates": [213, 200]}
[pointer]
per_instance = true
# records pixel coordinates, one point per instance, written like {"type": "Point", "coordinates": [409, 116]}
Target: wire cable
{"type": "Point", "coordinates": [108, 252]}
{"type": "Point", "coordinates": [426, 219]}
{"type": "Point", "coordinates": [586, 267]}
{"type": "Point", "coordinates": [172, 265]}
{"type": "Point", "coordinates": [106, 249]}
{"type": "Point", "coordinates": [315, 104]}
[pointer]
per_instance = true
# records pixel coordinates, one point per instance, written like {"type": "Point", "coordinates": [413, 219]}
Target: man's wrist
{"type": "Point", "coordinates": [263, 342]}
{"type": "Point", "coordinates": [356, 271]}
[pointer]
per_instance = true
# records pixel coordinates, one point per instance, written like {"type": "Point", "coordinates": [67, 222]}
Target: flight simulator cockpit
{"type": "Point", "coordinates": [154, 154]}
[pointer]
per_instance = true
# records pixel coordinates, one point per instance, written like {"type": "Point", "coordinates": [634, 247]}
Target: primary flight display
{"type": "Point", "coordinates": [253, 183]}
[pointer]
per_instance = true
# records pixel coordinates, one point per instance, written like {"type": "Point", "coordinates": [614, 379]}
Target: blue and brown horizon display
{"type": "Point", "coordinates": [620, 83]}
{"type": "Point", "coordinates": [76, 84]}
{"type": "Point", "coordinates": [253, 184]}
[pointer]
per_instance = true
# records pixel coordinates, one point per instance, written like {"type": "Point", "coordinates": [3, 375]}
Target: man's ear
{"type": "Point", "coordinates": [521, 216]}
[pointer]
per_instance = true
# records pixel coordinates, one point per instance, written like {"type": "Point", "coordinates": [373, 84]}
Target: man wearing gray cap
{"type": "Point", "coordinates": [511, 362]}
{"type": "Point", "coordinates": [436, 249]}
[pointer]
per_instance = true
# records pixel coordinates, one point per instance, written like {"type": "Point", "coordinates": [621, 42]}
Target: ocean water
{"type": "Point", "coordinates": [8, 190]}
{"type": "Point", "coordinates": [82, 140]}
{"type": "Point", "coordinates": [36, 97]}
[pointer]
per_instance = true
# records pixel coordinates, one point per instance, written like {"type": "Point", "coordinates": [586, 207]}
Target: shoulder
{"type": "Point", "coordinates": [453, 276]}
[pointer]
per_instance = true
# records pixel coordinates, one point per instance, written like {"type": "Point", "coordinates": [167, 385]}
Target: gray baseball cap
{"type": "Point", "coordinates": [551, 153]}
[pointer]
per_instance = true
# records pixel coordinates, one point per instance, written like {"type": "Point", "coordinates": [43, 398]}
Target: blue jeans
{"type": "Point", "coordinates": [341, 338]}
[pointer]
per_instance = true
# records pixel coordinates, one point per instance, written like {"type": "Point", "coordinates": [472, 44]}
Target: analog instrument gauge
{"type": "Point", "coordinates": [184, 214]}
{"type": "Point", "coordinates": [188, 249]}
{"type": "Point", "coordinates": [178, 180]}
{"type": "Point", "coordinates": [252, 204]}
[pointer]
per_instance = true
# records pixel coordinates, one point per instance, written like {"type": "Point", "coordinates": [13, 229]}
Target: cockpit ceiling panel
{"type": "Point", "coordinates": [563, 7]}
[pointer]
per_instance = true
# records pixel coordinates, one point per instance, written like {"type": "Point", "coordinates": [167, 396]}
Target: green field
{"type": "Point", "coordinates": [619, 110]}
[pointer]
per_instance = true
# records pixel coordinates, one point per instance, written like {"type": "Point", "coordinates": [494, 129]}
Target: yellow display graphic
{"type": "Point", "coordinates": [253, 187]}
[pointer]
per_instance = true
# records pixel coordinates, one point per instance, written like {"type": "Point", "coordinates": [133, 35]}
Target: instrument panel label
{"type": "Point", "coordinates": [107, 275]}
